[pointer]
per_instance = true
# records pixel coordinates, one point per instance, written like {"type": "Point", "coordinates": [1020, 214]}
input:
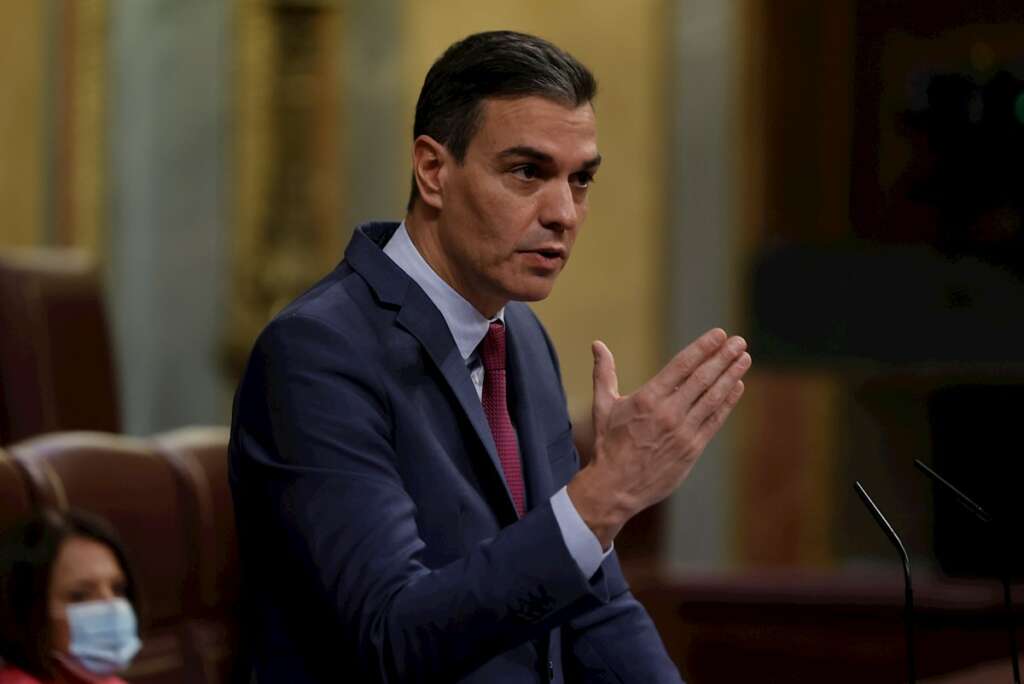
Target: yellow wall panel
{"type": "Point", "coordinates": [21, 121]}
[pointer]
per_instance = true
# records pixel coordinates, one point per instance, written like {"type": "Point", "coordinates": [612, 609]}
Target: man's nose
{"type": "Point", "coordinates": [559, 210]}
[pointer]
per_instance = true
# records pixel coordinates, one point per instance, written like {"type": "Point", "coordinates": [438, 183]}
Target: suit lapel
{"type": "Point", "coordinates": [422, 319]}
{"type": "Point", "coordinates": [418, 315]}
{"type": "Point", "coordinates": [532, 449]}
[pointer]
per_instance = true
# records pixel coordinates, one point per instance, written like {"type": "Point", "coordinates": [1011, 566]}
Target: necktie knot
{"type": "Point", "coordinates": [492, 353]}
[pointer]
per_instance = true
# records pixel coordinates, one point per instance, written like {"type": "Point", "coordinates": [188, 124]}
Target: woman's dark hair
{"type": "Point", "coordinates": [28, 551]}
{"type": "Point", "coordinates": [493, 64]}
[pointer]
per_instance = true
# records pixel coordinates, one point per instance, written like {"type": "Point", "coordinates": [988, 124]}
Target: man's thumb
{"type": "Point", "coordinates": [606, 382]}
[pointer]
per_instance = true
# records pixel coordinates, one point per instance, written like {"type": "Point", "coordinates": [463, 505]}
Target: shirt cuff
{"type": "Point", "coordinates": [582, 543]}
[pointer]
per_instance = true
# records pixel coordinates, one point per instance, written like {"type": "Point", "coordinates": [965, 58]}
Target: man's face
{"type": "Point", "coordinates": [510, 212]}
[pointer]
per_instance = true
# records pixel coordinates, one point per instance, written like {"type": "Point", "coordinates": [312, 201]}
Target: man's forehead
{"type": "Point", "coordinates": [536, 123]}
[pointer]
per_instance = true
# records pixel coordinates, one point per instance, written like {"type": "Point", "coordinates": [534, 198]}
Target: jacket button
{"type": "Point", "coordinates": [551, 671]}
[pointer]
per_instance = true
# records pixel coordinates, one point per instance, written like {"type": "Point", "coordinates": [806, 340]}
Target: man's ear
{"type": "Point", "coordinates": [430, 160]}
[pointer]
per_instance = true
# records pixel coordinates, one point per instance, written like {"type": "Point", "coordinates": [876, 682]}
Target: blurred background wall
{"type": "Point", "coordinates": [839, 182]}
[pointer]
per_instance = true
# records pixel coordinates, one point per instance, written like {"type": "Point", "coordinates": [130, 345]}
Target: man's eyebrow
{"type": "Point", "coordinates": [528, 152]}
{"type": "Point", "coordinates": [543, 157]}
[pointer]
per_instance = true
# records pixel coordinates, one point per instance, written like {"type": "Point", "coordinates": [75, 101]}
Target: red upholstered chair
{"type": "Point", "coordinates": [15, 501]}
{"type": "Point", "coordinates": [56, 366]}
{"type": "Point", "coordinates": [143, 497]}
{"type": "Point", "coordinates": [201, 456]}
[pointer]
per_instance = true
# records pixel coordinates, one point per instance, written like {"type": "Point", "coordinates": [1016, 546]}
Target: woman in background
{"type": "Point", "coordinates": [67, 600]}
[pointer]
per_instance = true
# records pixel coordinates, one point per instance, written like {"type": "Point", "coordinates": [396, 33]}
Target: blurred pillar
{"type": "Point", "coordinates": [376, 139]}
{"type": "Point", "coordinates": [168, 177]}
{"type": "Point", "coordinates": [705, 279]}
{"type": "Point", "coordinates": [288, 230]}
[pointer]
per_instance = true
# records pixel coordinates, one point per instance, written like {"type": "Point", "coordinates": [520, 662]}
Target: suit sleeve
{"type": "Point", "coordinates": [321, 501]}
{"type": "Point", "coordinates": [615, 640]}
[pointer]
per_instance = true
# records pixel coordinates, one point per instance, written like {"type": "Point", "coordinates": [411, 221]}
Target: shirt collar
{"type": "Point", "coordinates": [467, 325]}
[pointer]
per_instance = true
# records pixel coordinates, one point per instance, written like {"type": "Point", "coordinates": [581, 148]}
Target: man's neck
{"type": "Point", "coordinates": [423, 232]}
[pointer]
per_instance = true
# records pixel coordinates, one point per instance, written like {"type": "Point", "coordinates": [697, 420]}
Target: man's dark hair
{"type": "Point", "coordinates": [28, 552]}
{"type": "Point", "coordinates": [498, 64]}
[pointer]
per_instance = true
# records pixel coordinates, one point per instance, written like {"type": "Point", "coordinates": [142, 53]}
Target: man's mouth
{"type": "Point", "coordinates": [549, 260]}
{"type": "Point", "coordinates": [554, 252]}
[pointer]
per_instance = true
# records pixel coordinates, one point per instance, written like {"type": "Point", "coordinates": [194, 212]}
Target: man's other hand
{"type": "Point", "coordinates": [647, 442]}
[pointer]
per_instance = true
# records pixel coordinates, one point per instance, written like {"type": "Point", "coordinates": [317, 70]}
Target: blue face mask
{"type": "Point", "coordinates": [104, 637]}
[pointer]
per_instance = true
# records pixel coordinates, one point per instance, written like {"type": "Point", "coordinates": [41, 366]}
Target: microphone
{"type": "Point", "coordinates": [908, 595]}
{"type": "Point", "coordinates": [964, 500]}
{"type": "Point", "coordinates": [983, 515]}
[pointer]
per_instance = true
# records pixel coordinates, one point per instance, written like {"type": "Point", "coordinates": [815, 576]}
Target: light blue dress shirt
{"type": "Point", "coordinates": [469, 327]}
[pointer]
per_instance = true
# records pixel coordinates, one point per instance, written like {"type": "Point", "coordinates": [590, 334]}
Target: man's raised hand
{"type": "Point", "coordinates": [646, 443]}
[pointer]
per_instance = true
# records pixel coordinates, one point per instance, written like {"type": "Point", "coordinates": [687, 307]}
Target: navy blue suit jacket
{"type": "Point", "coordinates": [379, 542]}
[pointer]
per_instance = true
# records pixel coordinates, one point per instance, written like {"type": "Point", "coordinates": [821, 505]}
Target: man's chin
{"type": "Point", "coordinates": [534, 293]}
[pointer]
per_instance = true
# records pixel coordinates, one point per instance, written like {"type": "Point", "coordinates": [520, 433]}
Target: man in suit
{"type": "Point", "coordinates": [410, 505]}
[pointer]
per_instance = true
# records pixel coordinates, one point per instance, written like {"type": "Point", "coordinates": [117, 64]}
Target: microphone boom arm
{"type": "Point", "coordinates": [908, 604]}
{"type": "Point", "coordinates": [983, 515]}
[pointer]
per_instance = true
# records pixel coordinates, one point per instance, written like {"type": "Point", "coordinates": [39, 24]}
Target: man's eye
{"type": "Point", "coordinates": [526, 171]}
{"type": "Point", "coordinates": [583, 180]}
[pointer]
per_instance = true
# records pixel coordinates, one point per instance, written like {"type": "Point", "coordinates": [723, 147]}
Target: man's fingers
{"type": "Point", "coordinates": [686, 362]}
{"type": "Point", "coordinates": [719, 392]}
{"type": "Point", "coordinates": [707, 374]}
{"type": "Point", "coordinates": [715, 421]}
{"type": "Point", "coordinates": [606, 382]}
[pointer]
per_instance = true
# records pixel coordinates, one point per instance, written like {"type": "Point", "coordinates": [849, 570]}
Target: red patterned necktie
{"type": "Point", "coordinates": [496, 410]}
